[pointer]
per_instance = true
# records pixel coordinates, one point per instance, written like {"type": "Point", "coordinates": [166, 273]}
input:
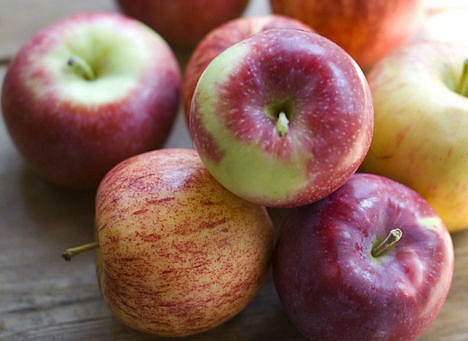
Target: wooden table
{"type": "Point", "coordinates": [44, 298]}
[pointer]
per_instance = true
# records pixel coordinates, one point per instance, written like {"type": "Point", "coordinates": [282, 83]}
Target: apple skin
{"type": "Point", "coordinates": [333, 288]}
{"type": "Point", "coordinates": [236, 108]}
{"type": "Point", "coordinates": [183, 23]}
{"type": "Point", "coordinates": [421, 126]}
{"type": "Point", "coordinates": [178, 254]}
{"type": "Point", "coordinates": [367, 30]}
{"type": "Point", "coordinates": [71, 130]}
{"type": "Point", "coordinates": [223, 37]}
{"type": "Point", "coordinates": [448, 25]}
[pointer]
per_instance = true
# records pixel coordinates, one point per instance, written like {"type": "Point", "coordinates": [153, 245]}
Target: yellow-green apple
{"type": "Point", "coordinates": [421, 125]}
{"type": "Point", "coordinates": [178, 254]}
{"type": "Point", "coordinates": [282, 118]}
{"type": "Point", "coordinates": [183, 23]}
{"type": "Point", "coordinates": [86, 93]}
{"type": "Point", "coordinates": [223, 37]}
{"type": "Point", "coordinates": [367, 30]}
{"type": "Point", "coordinates": [450, 25]}
{"type": "Point", "coordinates": [372, 261]}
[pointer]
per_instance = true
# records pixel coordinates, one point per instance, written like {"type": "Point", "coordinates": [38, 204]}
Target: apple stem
{"type": "Point", "coordinates": [463, 84]}
{"type": "Point", "coordinates": [81, 67]}
{"type": "Point", "coordinates": [282, 124]}
{"type": "Point", "coordinates": [73, 251]}
{"type": "Point", "coordinates": [393, 236]}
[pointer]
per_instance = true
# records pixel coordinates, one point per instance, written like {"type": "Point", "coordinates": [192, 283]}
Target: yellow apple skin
{"type": "Point", "coordinates": [421, 126]}
{"type": "Point", "coordinates": [178, 254]}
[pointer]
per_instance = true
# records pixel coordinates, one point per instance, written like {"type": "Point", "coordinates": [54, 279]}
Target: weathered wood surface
{"type": "Point", "coordinates": [44, 298]}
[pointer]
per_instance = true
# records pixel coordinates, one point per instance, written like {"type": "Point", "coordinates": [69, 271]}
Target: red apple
{"type": "Point", "coordinates": [372, 261]}
{"type": "Point", "coordinates": [367, 30]}
{"type": "Point", "coordinates": [282, 118]}
{"type": "Point", "coordinates": [178, 254]}
{"type": "Point", "coordinates": [78, 98]}
{"type": "Point", "coordinates": [223, 37]}
{"type": "Point", "coordinates": [183, 23]}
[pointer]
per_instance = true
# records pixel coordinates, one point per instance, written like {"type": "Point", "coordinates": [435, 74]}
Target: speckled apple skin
{"type": "Point", "coordinates": [330, 117]}
{"type": "Point", "coordinates": [223, 37]}
{"type": "Point", "coordinates": [367, 30]}
{"type": "Point", "coordinates": [178, 254]}
{"type": "Point", "coordinates": [330, 285]}
{"type": "Point", "coordinates": [72, 131]}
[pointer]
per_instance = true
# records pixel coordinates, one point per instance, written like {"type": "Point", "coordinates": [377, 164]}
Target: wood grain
{"type": "Point", "coordinates": [44, 298]}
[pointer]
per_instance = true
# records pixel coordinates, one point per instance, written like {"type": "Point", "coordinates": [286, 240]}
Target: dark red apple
{"type": "Point", "coordinates": [282, 118]}
{"type": "Point", "coordinates": [367, 30]}
{"type": "Point", "coordinates": [183, 23]}
{"type": "Point", "coordinates": [223, 37]}
{"type": "Point", "coordinates": [372, 261]}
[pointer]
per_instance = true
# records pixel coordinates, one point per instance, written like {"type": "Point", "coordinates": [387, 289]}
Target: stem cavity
{"type": "Point", "coordinates": [462, 88]}
{"type": "Point", "coordinates": [393, 236]}
{"type": "Point", "coordinates": [80, 67]}
{"type": "Point", "coordinates": [282, 124]}
{"type": "Point", "coordinates": [73, 251]}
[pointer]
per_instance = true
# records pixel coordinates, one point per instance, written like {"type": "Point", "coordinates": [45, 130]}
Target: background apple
{"type": "Point", "coordinates": [183, 23]}
{"type": "Point", "coordinates": [367, 30]}
{"type": "Point", "coordinates": [223, 37]}
{"type": "Point", "coordinates": [340, 278]}
{"type": "Point", "coordinates": [79, 98]}
{"type": "Point", "coordinates": [282, 118]}
{"type": "Point", "coordinates": [421, 125]}
{"type": "Point", "coordinates": [450, 25]}
{"type": "Point", "coordinates": [178, 254]}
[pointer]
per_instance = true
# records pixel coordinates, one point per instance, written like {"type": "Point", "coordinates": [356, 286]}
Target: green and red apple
{"type": "Point", "coordinates": [282, 118]}
{"type": "Point", "coordinates": [367, 30]}
{"type": "Point", "coordinates": [421, 125]}
{"type": "Point", "coordinates": [223, 37]}
{"type": "Point", "coordinates": [88, 92]}
{"type": "Point", "coordinates": [183, 23]}
{"type": "Point", "coordinates": [371, 261]}
{"type": "Point", "coordinates": [178, 254]}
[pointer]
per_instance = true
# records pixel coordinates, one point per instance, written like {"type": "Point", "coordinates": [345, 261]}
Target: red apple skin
{"type": "Point", "coordinates": [329, 106]}
{"type": "Point", "coordinates": [367, 30]}
{"type": "Point", "coordinates": [74, 144]}
{"type": "Point", "coordinates": [331, 286]}
{"type": "Point", "coordinates": [221, 38]}
{"type": "Point", "coordinates": [178, 254]}
{"type": "Point", "coordinates": [183, 23]}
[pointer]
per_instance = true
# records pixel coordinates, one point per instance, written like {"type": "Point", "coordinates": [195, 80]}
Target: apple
{"type": "Point", "coordinates": [223, 37]}
{"type": "Point", "coordinates": [367, 30]}
{"type": "Point", "coordinates": [183, 23]}
{"type": "Point", "coordinates": [421, 125]}
{"type": "Point", "coordinates": [178, 254]}
{"type": "Point", "coordinates": [372, 261]}
{"type": "Point", "coordinates": [449, 25]}
{"type": "Point", "coordinates": [87, 92]}
{"type": "Point", "coordinates": [282, 118]}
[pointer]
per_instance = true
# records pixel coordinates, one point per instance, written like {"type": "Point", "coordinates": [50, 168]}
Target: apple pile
{"type": "Point", "coordinates": [280, 116]}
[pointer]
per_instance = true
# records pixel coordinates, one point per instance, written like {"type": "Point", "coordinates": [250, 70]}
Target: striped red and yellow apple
{"type": "Point", "coordinates": [178, 254]}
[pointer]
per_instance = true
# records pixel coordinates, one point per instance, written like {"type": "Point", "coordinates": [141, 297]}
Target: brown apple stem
{"type": "Point", "coordinates": [463, 84]}
{"type": "Point", "coordinates": [282, 124]}
{"type": "Point", "coordinates": [81, 67]}
{"type": "Point", "coordinates": [393, 236]}
{"type": "Point", "coordinates": [73, 251]}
